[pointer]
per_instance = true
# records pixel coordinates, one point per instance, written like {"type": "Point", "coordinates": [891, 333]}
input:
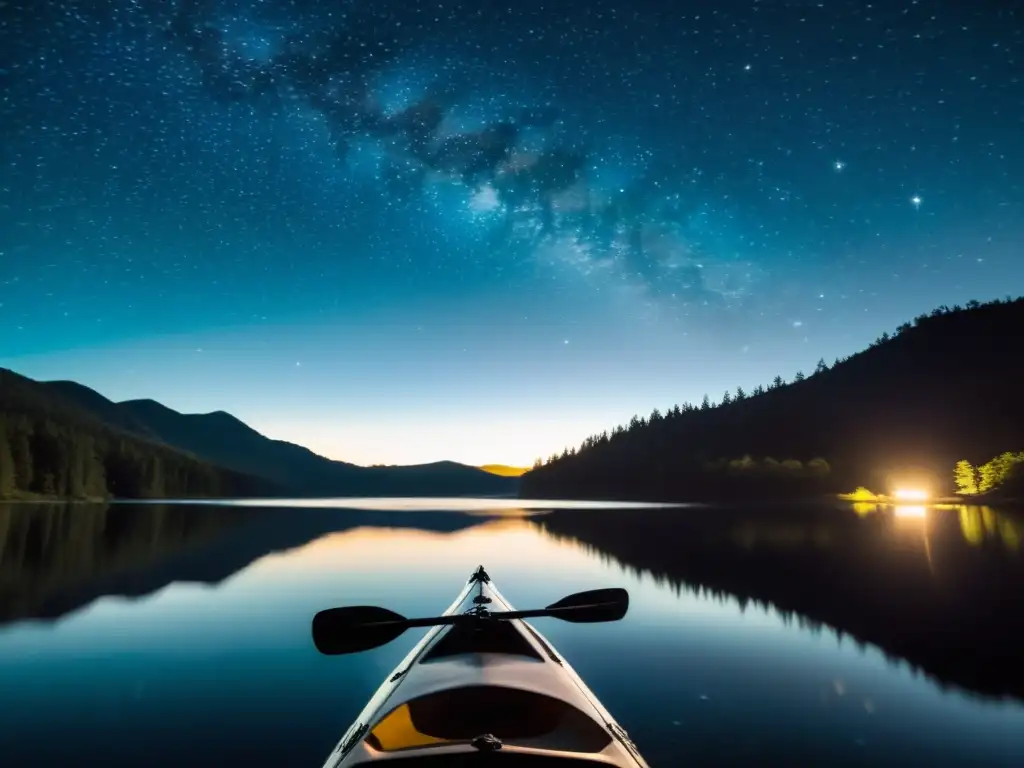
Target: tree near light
{"type": "Point", "coordinates": [966, 477]}
{"type": "Point", "coordinates": [862, 494]}
{"type": "Point", "coordinates": [994, 473]}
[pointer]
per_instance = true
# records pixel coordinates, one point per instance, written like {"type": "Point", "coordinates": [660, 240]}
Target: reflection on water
{"type": "Point", "coordinates": [977, 523]}
{"type": "Point", "coordinates": [981, 523]}
{"type": "Point", "coordinates": [911, 510]}
{"type": "Point", "coordinates": [935, 587]}
{"type": "Point", "coordinates": [187, 627]}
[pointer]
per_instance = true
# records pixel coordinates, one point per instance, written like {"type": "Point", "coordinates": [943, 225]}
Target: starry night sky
{"type": "Point", "coordinates": [398, 231]}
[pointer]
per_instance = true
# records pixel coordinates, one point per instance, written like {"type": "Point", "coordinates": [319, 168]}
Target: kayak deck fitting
{"type": "Point", "coordinates": [481, 688]}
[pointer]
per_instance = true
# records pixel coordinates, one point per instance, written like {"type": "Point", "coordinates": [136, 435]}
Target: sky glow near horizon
{"type": "Point", "coordinates": [494, 235]}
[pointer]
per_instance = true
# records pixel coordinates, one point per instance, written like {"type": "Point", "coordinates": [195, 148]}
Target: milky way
{"type": "Point", "coordinates": [529, 173]}
{"type": "Point", "coordinates": [693, 156]}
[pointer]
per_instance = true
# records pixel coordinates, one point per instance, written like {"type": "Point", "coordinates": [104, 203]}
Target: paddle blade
{"type": "Point", "coordinates": [356, 628]}
{"type": "Point", "coordinates": [592, 606]}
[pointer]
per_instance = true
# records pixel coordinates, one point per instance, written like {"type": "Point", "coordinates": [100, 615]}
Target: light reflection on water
{"type": "Point", "coordinates": [224, 673]}
{"type": "Point", "coordinates": [978, 523]}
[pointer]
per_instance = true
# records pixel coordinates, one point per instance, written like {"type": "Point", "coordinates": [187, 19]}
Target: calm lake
{"type": "Point", "coordinates": [178, 634]}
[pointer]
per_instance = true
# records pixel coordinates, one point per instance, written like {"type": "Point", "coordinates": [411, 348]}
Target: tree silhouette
{"type": "Point", "coordinates": [726, 398]}
{"type": "Point", "coordinates": [821, 367]}
{"type": "Point", "coordinates": [778, 382]}
{"type": "Point", "coordinates": [740, 394]}
{"type": "Point", "coordinates": [799, 377]}
{"type": "Point", "coordinates": [705, 404]}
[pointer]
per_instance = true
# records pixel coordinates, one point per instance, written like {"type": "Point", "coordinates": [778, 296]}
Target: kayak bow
{"type": "Point", "coordinates": [481, 688]}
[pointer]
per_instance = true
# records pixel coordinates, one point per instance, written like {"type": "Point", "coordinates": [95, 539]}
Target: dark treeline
{"type": "Point", "coordinates": [940, 593]}
{"type": "Point", "coordinates": [48, 447]}
{"type": "Point", "coordinates": [939, 389]}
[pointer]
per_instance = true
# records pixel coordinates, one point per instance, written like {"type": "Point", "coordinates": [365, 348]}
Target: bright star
{"type": "Point", "coordinates": [839, 165]}
{"type": "Point", "coordinates": [916, 201]}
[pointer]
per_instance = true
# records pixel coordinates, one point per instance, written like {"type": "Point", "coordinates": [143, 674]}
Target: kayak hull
{"type": "Point", "coordinates": [484, 693]}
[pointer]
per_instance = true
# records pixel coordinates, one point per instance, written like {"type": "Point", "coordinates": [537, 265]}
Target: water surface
{"type": "Point", "coordinates": [179, 634]}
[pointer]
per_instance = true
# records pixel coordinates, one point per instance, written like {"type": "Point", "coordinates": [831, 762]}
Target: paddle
{"type": "Point", "coordinates": [362, 627]}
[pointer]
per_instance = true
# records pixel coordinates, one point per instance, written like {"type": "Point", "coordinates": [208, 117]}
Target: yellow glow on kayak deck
{"type": "Point", "coordinates": [397, 731]}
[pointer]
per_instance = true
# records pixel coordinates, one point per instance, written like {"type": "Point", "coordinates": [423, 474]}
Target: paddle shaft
{"type": "Point", "coordinates": [470, 617]}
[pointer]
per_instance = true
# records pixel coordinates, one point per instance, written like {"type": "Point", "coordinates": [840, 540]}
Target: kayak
{"type": "Point", "coordinates": [482, 688]}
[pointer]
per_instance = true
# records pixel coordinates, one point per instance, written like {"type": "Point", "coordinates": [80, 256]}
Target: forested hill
{"type": "Point", "coordinates": [50, 446]}
{"type": "Point", "coordinates": [942, 388]}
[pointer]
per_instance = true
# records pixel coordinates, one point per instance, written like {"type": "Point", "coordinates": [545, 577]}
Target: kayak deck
{"type": "Point", "coordinates": [481, 693]}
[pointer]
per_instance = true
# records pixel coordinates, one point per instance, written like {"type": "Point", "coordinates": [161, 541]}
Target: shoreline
{"type": "Point", "coordinates": [845, 498]}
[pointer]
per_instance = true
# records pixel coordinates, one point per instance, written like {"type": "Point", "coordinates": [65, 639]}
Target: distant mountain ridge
{"type": "Point", "coordinates": [225, 441]}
